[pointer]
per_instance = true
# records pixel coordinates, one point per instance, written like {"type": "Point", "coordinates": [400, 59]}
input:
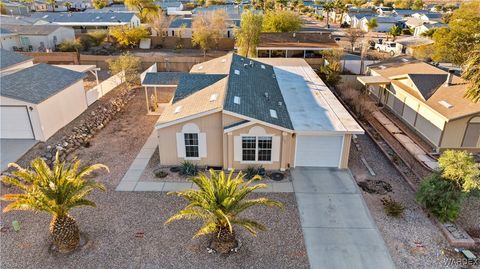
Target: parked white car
{"type": "Point", "coordinates": [389, 47]}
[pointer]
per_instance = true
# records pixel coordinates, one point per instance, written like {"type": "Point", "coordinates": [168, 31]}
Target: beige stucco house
{"type": "Point", "coordinates": [430, 100]}
{"type": "Point", "coordinates": [232, 112]}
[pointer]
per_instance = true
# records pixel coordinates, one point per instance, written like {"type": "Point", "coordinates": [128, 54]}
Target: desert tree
{"type": "Point", "coordinates": [247, 35]}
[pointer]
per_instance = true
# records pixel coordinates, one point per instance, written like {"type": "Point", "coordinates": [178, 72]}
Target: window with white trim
{"type": "Point", "coordinates": [191, 145]}
{"type": "Point", "coordinates": [256, 148]}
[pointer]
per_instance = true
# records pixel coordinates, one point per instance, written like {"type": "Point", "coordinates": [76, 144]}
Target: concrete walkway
{"type": "Point", "coordinates": [131, 179]}
{"type": "Point", "coordinates": [12, 149]}
{"type": "Point", "coordinates": [338, 229]}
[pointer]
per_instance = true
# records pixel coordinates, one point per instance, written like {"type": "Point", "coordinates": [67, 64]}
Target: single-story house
{"type": "Point", "coordinates": [384, 24]}
{"type": "Point", "coordinates": [429, 100]}
{"type": "Point", "coordinates": [170, 7]}
{"type": "Point", "coordinates": [356, 14]}
{"type": "Point", "coordinates": [8, 39]}
{"type": "Point", "coordinates": [88, 21]}
{"type": "Point", "coordinates": [428, 17]}
{"type": "Point", "coordinates": [384, 11]}
{"type": "Point", "coordinates": [408, 44]}
{"type": "Point", "coordinates": [37, 101]}
{"type": "Point", "coordinates": [419, 30]}
{"type": "Point", "coordinates": [233, 112]}
{"type": "Point", "coordinates": [182, 27]}
{"type": "Point", "coordinates": [295, 45]}
{"type": "Point", "coordinates": [38, 37]}
{"type": "Point", "coordinates": [15, 8]}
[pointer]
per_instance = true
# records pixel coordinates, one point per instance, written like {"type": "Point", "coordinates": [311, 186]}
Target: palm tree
{"type": "Point", "coordinates": [372, 24]}
{"type": "Point", "coordinates": [219, 202]}
{"type": "Point", "coordinates": [395, 31]}
{"type": "Point", "coordinates": [55, 191]}
{"type": "Point", "coordinates": [68, 5]}
{"type": "Point", "coordinates": [471, 72]}
{"type": "Point", "coordinates": [52, 3]}
{"type": "Point", "coordinates": [328, 7]}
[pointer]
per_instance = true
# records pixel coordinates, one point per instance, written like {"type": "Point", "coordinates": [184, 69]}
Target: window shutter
{"type": "Point", "coordinates": [180, 145]}
{"type": "Point", "coordinates": [237, 148]}
{"type": "Point", "coordinates": [202, 145]}
{"type": "Point", "coordinates": [276, 148]}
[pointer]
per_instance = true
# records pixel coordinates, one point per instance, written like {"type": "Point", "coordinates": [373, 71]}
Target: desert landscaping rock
{"type": "Point", "coordinates": [375, 186]}
{"type": "Point", "coordinates": [119, 216]}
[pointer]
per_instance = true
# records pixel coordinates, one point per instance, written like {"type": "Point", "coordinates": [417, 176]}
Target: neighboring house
{"type": "Point", "coordinates": [88, 21]}
{"type": "Point", "coordinates": [12, 61]}
{"type": "Point", "coordinates": [182, 27]}
{"type": "Point", "coordinates": [353, 18]}
{"type": "Point", "coordinates": [15, 8]}
{"type": "Point", "coordinates": [233, 12]}
{"type": "Point", "coordinates": [37, 100]}
{"type": "Point", "coordinates": [385, 11]}
{"type": "Point", "coordinates": [8, 39]}
{"type": "Point", "coordinates": [295, 45]}
{"type": "Point", "coordinates": [170, 7]}
{"type": "Point", "coordinates": [413, 22]}
{"type": "Point", "coordinates": [429, 17]}
{"type": "Point", "coordinates": [406, 12]}
{"type": "Point", "coordinates": [408, 44]}
{"type": "Point", "coordinates": [429, 100]}
{"type": "Point", "coordinates": [38, 37]}
{"type": "Point", "coordinates": [233, 112]}
{"type": "Point", "coordinates": [77, 4]}
{"type": "Point", "coordinates": [419, 30]}
{"type": "Point", "coordinates": [384, 24]}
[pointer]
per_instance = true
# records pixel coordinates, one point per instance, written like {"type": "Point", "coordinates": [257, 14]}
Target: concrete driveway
{"type": "Point", "coordinates": [338, 229]}
{"type": "Point", "coordinates": [12, 149]}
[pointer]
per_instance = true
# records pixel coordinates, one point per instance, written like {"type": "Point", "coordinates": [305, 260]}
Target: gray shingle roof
{"type": "Point", "coordinates": [253, 84]}
{"type": "Point", "coordinates": [37, 83]}
{"type": "Point", "coordinates": [31, 29]}
{"type": "Point", "coordinates": [162, 78]}
{"type": "Point", "coordinates": [191, 82]}
{"type": "Point", "coordinates": [86, 17]}
{"type": "Point", "coordinates": [176, 23]}
{"type": "Point", "coordinates": [9, 58]}
{"type": "Point", "coordinates": [427, 84]}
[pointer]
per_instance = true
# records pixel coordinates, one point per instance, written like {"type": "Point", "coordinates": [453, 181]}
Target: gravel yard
{"type": "Point", "coordinates": [413, 240]}
{"type": "Point", "coordinates": [126, 229]}
{"type": "Point", "coordinates": [153, 164]}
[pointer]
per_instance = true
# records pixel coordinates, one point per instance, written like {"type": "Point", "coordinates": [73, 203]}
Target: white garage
{"type": "Point", "coordinates": [37, 101]}
{"type": "Point", "coordinates": [15, 123]}
{"type": "Point", "coordinates": [318, 151]}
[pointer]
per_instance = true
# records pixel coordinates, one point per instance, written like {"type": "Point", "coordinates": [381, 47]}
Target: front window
{"type": "Point", "coordinates": [249, 148]}
{"type": "Point", "coordinates": [265, 148]}
{"type": "Point", "coordinates": [257, 148]}
{"type": "Point", "coordinates": [191, 145]}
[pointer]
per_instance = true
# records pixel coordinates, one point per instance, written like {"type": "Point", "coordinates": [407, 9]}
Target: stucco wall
{"type": "Point", "coordinates": [210, 124]}
{"type": "Point", "coordinates": [454, 133]}
{"type": "Point", "coordinates": [60, 109]}
{"type": "Point", "coordinates": [7, 42]}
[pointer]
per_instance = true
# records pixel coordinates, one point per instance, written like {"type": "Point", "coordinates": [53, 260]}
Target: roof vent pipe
{"type": "Point", "coordinates": [449, 77]}
{"type": "Point", "coordinates": [266, 95]}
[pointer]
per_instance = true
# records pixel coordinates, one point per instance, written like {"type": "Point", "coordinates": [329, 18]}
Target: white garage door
{"type": "Point", "coordinates": [15, 123]}
{"type": "Point", "coordinates": [320, 151]}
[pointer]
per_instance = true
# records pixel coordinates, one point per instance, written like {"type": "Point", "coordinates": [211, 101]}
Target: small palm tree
{"type": "Point", "coordinates": [55, 191]}
{"type": "Point", "coordinates": [395, 31]}
{"type": "Point", "coordinates": [68, 5]}
{"type": "Point", "coordinates": [328, 7]}
{"type": "Point", "coordinates": [219, 202]}
{"type": "Point", "coordinates": [372, 24]}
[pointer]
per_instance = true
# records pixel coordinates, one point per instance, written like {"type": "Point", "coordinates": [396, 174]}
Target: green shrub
{"type": "Point", "coordinates": [69, 46]}
{"type": "Point", "coordinates": [252, 171]}
{"type": "Point", "coordinates": [392, 208]}
{"type": "Point", "coordinates": [188, 169]}
{"type": "Point", "coordinates": [87, 41]}
{"type": "Point", "coordinates": [440, 197]}
{"type": "Point", "coordinates": [98, 37]}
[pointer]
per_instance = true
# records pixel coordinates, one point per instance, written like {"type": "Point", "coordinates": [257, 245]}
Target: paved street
{"type": "Point", "coordinates": [338, 229]}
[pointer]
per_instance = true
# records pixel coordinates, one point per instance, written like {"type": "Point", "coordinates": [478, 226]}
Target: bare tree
{"type": "Point", "coordinates": [208, 28]}
{"type": "Point", "coordinates": [353, 35]}
{"type": "Point", "coordinates": [160, 23]}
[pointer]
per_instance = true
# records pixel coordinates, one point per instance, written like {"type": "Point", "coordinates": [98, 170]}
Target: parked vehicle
{"type": "Point", "coordinates": [389, 47]}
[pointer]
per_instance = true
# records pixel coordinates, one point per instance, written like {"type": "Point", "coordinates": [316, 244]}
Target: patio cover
{"type": "Point", "coordinates": [373, 80]}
